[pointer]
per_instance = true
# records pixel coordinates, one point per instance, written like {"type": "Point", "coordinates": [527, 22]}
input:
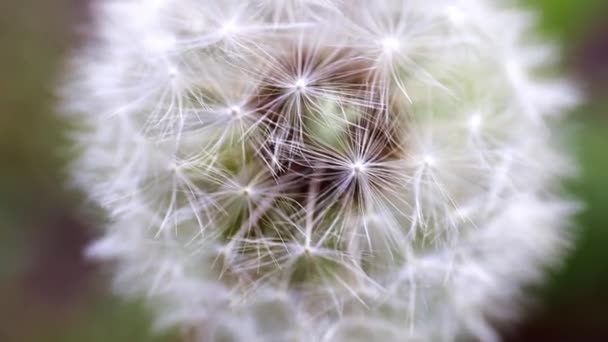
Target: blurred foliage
{"type": "Point", "coordinates": [48, 293]}
{"type": "Point", "coordinates": [568, 19]}
{"type": "Point", "coordinates": [574, 301]}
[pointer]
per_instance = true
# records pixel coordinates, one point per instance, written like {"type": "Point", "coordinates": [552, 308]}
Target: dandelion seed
{"type": "Point", "coordinates": [300, 85]}
{"type": "Point", "coordinates": [229, 27]}
{"type": "Point", "coordinates": [429, 160]}
{"type": "Point", "coordinates": [475, 122]}
{"type": "Point", "coordinates": [390, 44]}
{"type": "Point", "coordinates": [358, 167]}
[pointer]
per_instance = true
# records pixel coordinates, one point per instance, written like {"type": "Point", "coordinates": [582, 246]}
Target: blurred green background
{"type": "Point", "coordinates": [49, 293]}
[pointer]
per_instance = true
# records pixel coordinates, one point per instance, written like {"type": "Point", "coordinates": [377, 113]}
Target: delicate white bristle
{"type": "Point", "coordinates": [322, 170]}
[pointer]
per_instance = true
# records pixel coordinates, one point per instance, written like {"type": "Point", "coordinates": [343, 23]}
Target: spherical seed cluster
{"type": "Point", "coordinates": [322, 170]}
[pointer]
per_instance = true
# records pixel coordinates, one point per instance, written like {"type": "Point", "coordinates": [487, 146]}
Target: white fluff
{"type": "Point", "coordinates": [203, 120]}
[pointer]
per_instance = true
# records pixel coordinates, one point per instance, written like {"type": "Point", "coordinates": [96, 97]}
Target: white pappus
{"type": "Point", "coordinates": [322, 170]}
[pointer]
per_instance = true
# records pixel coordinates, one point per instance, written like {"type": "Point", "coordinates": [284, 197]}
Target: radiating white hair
{"type": "Point", "coordinates": [323, 170]}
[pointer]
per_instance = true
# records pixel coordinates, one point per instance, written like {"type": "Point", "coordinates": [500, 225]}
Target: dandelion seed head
{"type": "Point", "coordinates": [322, 170]}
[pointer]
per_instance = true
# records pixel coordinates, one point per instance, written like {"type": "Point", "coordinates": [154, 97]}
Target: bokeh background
{"type": "Point", "coordinates": [48, 292]}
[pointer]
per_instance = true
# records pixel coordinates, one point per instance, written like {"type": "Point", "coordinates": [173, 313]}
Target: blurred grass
{"type": "Point", "coordinates": [49, 294]}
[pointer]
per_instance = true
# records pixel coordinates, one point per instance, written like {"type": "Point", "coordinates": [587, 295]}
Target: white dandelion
{"type": "Point", "coordinates": [323, 170]}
